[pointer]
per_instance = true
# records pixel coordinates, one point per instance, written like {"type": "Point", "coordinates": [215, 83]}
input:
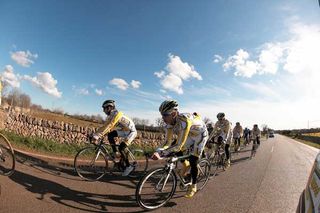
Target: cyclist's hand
{"type": "Point", "coordinates": [95, 139]}
{"type": "Point", "coordinates": [156, 156]}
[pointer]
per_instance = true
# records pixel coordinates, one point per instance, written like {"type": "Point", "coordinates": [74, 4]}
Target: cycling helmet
{"type": "Point", "coordinates": [168, 106]}
{"type": "Point", "coordinates": [238, 123]}
{"type": "Point", "coordinates": [220, 115]}
{"type": "Point", "coordinates": [108, 103]}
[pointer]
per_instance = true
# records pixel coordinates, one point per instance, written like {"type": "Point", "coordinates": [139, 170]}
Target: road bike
{"type": "Point", "coordinates": [96, 160]}
{"type": "Point", "coordinates": [158, 185]}
{"type": "Point", "coordinates": [255, 146]}
{"type": "Point", "coordinates": [7, 157]}
{"type": "Point", "coordinates": [217, 157]}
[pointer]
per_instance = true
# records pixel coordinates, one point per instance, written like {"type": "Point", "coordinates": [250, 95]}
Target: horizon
{"type": "Point", "coordinates": [255, 61]}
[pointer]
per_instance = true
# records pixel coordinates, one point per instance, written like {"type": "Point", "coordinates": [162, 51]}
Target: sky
{"type": "Point", "coordinates": [257, 61]}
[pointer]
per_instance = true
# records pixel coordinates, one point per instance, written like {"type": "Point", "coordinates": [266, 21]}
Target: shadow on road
{"type": "Point", "coordinates": [72, 198]}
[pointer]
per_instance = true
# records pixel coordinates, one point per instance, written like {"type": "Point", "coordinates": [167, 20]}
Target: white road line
{"type": "Point", "coordinates": [272, 149]}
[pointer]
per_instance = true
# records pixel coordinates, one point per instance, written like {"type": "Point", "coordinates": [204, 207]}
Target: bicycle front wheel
{"type": "Point", "coordinates": [156, 188]}
{"type": "Point", "coordinates": [7, 158]}
{"type": "Point", "coordinates": [90, 163]}
{"type": "Point", "coordinates": [203, 173]}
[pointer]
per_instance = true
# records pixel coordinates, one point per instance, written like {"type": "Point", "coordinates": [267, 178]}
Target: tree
{"type": "Point", "coordinates": [159, 122]}
{"type": "Point", "coordinates": [25, 101]}
{"type": "Point", "coordinates": [138, 121]}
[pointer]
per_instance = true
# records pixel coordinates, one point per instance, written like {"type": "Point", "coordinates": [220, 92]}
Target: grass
{"type": "Point", "coordinates": [309, 143]}
{"type": "Point", "coordinates": [42, 146]}
{"type": "Point", "coordinates": [316, 134]}
{"type": "Point", "coordinates": [51, 148]}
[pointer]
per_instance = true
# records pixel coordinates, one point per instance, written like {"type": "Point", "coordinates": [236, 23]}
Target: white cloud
{"type": "Point", "coordinates": [99, 92]}
{"type": "Point", "coordinates": [173, 83]}
{"type": "Point", "coordinates": [135, 84]}
{"type": "Point", "coordinates": [270, 58]}
{"type": "Point", "coordinates": [265, 91]}
{"type": "Point", "coordinates": [46, 82]}
{"type": "Point", "coordinates": [10, 77]}
{"type": "Point", "coordinates": [23, 58]}
{"type": "Point", "coordinates": [217, 58]}
{"type": "Point", "coordinates": [119, 83]}
{"type": "Point", "coordinates": [176, 72]}
{"type": "Point", "coordinates": [241, 63]}
{"type": "Point", "coordinates": [159, 74]}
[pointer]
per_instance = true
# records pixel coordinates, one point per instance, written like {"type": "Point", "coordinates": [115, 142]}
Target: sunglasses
{"type": "Point", "coordinates": [165, 114]}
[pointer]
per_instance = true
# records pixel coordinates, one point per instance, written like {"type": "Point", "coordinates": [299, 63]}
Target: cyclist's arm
{"type": "Point", "coordinates": [182, 136]}
{"type": "Point", "coordinates": [110, 124]}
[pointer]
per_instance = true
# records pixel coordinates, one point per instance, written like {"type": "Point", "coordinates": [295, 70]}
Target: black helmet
{"type": "Point", "coordinates": [220, 115]}
{"type": "Point", "coordinates": [108, 103]}
{"type": "Point", "coordinates": [168, 106]}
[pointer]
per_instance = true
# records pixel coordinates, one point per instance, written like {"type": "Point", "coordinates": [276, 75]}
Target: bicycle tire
{"type": "Point", "coordinates": [90, 172]}
{"type": "Point", "coordinates": [203, 174]}
{"type": "Point", "coordinates": [214, 165]}
{"type": "Point", "coordinates": [154, 204]}
{"type": "Point", "coordinates": [140, 166]}
{"type": "Point", "coordinates": [7, 157]}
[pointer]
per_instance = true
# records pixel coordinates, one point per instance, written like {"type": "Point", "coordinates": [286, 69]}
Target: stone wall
{"type": "Point", "coordinates": [26, 125]}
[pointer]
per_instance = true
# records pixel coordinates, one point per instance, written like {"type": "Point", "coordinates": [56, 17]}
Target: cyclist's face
{"type": "Point", "coordinates": [108, 109]}
{"type": "Point", "coordinates": [168, 118]}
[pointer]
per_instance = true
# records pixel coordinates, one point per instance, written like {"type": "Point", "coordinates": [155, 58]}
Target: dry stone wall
{"type": "Point", "coordinates": [26, 125]}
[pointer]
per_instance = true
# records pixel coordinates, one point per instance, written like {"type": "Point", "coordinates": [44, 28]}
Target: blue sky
{"type": "Point", "coordinates": [254, 60]}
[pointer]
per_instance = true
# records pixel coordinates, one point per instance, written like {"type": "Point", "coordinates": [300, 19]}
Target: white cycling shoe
{"type": "Point", "coordinates": [128, 170]}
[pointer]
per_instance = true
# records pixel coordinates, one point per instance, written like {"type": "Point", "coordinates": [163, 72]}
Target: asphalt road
{"type": "Point", "coordinates": [270, 182]}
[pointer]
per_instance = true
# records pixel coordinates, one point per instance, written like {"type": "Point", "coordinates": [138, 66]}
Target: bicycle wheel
{"type": "Point", "coordinates": [7, 158]}
{"type": "Point", "coordinates": [203, 173]}
{"type": "Point", "coordinates": [214, 165]}
{"type": "Point", "coordinates": [90, 163]}
{"type": "Point", "coordinates": [139, 160]}
{"type": "Point", "coordinates": [156, 188]}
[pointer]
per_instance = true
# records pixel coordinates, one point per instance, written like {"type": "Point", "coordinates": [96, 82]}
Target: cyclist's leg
{"type": "Point", "coordinates": [258, 140]}
{"type": "Point", "coordinates": [111, 136]}
{"type": "Point", "coordinates": [124, 153]}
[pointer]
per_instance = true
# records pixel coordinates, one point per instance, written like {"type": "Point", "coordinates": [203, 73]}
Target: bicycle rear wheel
{"type": "Point", "coordinates": [156, 188]}
{"type": "Point", "coordinates": [90, 163]}
{"type": "Point", "coordinates": [7, 158]}
{"type": "Point", "coordinates": [139, 160]}
{"type": "Point", "coordinates": [203, 173]}
{"type": "Point", "coordinates": [214, 165]}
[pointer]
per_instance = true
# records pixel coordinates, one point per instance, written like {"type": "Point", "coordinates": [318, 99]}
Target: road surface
{"type": "Point", "coordinates": [270, 182]}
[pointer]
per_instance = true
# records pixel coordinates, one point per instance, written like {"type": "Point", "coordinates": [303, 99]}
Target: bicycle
{"type": "Point", "coordinates": [7, 157]}
{"type": "Point", "coordinates": [158, 186]}
{"type": "Point", "coordinates": [255, 146]}
{"type": "Point", "coordinates": [92, 162]}
{"type": "Point", "coordinates": [217, 157]}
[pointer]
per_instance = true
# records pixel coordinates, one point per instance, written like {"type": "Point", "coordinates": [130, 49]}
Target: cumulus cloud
{"type": "Point", "coordinates": [46, 82]}
{"type": "Point", "coordinates": [99, 92]}
{"type": "Point", "coordinates": [23, 58]}
{"type": "Point", "coordinates": [135, 84]}
{"type": "Point", "coordinates": [217, 58]}
{"type": "Point", "coordinates": [119, 83]}
{"type": "Point", "coordinates": [10, 77]}
{"type": "Point", "coordinates": [176, 72]}
{"type": "Point", "coordinates": [159, 74]}
{"type": "Point", "coordinates": [298, 54]}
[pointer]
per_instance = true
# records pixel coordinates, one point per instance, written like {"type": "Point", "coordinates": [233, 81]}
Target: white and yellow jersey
{"type": "Point", "coordinates": [116, 121]}
{"type": "Point", "coordinates": [188, 127]}
{"type": "Point", "coordinates": [237, 131]}
{"type": "Point", "coordinates": [255, 133]}
{"type": "Point", "coordinates": [222, 128]}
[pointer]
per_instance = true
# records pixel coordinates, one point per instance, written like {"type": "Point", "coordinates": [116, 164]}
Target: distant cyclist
{"type": "Point", "coordinates": [256, 134]}
{"type": "Point", "coordinates": [222, 129]}
{"type": "Point", "coordinates": [117, 125]}
{"type": "Point", "coordinates": [191, 134]}
{"type": "Point", "coordinates": [246, 136]}
{"type": "Point", "coordinates": [237, 134]}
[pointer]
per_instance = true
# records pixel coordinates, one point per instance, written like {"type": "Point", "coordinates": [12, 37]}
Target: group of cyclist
{"type": "Point", "coordinates": [184, 132]}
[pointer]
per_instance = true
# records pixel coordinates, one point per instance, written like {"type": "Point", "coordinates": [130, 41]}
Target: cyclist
{"type": "Point", "coordinates": [256, 134]}
{"type": "Point", "coordinates": [237, 134]}
{"type": "Point", "coordinates": [117, 125]}
{"type": "Point", "coordinates": [191, 134]}
{"type": "Point", "coordinates": [246, 136]}
{"type": "Point", "coordinates": [222, 129]}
